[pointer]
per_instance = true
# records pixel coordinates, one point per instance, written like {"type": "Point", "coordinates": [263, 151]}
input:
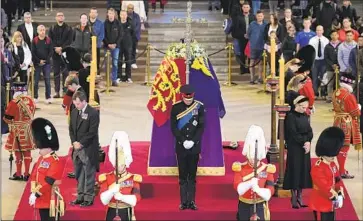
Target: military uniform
{"type": "Point", "coordinates": [18, 115]}
{"type": "Point", "coordinates": [244, 172]}
{"type": "Point", "coordinates": [346, 117]}
{"type": "Point", "coordinates": [119, 189]}
{"type": "Point", "coordinates": [45, 194]}
{"type": "Point", "coordinates": [130, 185]}
{"type": "Point", "coordinates": [187, 124]}
{"type": "Point", "coordinates": [328, 193]}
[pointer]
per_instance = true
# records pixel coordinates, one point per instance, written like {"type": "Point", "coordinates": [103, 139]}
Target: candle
{"type": "Point", "coordinates": [93, 72]}
{"type": "Point", "coordinates": [273, 57]}
{"type": "Point", "coordinates": [282, 80]}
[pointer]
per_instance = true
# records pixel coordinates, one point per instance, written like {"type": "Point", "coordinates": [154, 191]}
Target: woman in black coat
{"type": "Point", "coordinates": [298, 138]}
{"type": "Point", "coordinates": [275, 26]}
{"type": "Point", "coordinates": [288, 48]}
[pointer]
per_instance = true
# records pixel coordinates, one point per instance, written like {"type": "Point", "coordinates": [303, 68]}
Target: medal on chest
{"type": "Point", "coordinates": [195, 112]}
{"type": "Point", "coordinates": [127, 183]}
{"type": "Point", "coordinates": [262, 175]}
{"type": "Point", "coordinates": [44, 164]}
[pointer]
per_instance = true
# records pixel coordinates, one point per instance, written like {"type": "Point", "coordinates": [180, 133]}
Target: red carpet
{"type": "Point", "coordinates": [216, 197]}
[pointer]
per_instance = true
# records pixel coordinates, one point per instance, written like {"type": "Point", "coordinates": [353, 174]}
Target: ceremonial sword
{"type": "Point", "coordinates": [254, 215]}
{"type": "Point", "coordinates": [117, 217]}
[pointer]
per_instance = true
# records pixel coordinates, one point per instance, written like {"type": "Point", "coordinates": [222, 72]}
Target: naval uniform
{"type": "Point", "coordinates": [187, 123]}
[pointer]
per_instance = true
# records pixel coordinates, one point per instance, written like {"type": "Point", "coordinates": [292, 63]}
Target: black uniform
{"type": "Point", "coordinates": [187, 158]}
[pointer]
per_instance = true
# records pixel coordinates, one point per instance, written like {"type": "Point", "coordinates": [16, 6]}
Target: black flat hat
{"type": "Point", "coordinates": [187, 89]}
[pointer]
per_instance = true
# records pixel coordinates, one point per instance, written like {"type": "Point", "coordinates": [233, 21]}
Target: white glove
{"type": "Point", "coordinates": [186, 145]}
{"type": "Point", "coordinates": [340, 201]}
{"type": "Point", "coordinates": [313, 110]}
{"type": "Point", "coordinates": [191, 143]}
{"type": "Point", "coordinates": [115, 189]}
{"type": "Point", "coordinates": [118, 196]}
{"type": "Point", "coordinates": [360, 107]}
{"type": "Point", "coordinates": [32, 199]}
{"type": "Point", "coordinates": [254, 183]}
{"type": "Point", "coordinates": [264, 193]}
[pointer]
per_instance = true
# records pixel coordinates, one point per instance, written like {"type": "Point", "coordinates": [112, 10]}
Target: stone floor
{"type": "Point", "coordinates": [126, 110]}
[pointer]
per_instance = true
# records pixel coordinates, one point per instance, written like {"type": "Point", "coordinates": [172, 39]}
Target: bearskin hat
{"type": "Point", "coordinates": [44, 134]}
{"type": "Point", "coordinates": [330, 142]}
{"type": "Point", "coordinates": [72, 58]}
{"type": "Point", "coordinates": [307, 56]}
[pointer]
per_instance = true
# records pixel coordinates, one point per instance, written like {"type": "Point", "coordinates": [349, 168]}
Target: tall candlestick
{"type": "Point", "coordinates": [273, 57]}
{"type": "Point", "coordinates": [282, 80]}
{"type": "Point", "coordinates": [93, 72]}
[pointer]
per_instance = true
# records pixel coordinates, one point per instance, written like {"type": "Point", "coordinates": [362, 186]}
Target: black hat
{"type": "Point", "coordinates": [72, 57]}
{"type": "Point", "coordinates": [44, 134]}
{"type": "Point", "coordinates": [87, 58]}
{"type": "Point", "coordinates": [330, 142]}
{"type": "Point", "coordinates": [307, 56]}
{"type": "Point", "coordinates": [187, 89]}
{"type": "Point", "coordinates": [347, 78]}
{"type": "Point", "coordinates": [19, 87]}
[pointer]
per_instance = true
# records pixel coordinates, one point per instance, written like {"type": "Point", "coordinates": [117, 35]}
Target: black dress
{"type": "Point", "coordinates": [298, 164]}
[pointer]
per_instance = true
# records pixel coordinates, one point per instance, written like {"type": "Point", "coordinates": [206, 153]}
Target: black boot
{"type": "Point", "coordinates": [299, 198]}
{"type": "Point", "coordinates": [294, 202]}
{"type": "Point", "coordinates": [17, 178]}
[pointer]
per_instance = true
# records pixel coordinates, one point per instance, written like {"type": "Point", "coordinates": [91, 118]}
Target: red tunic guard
{"type": "Point", "coordinates": [45, 194]}
{"type": "Point", "coordinates": [346, 117]}
{"type": "Point", "coordinates": [250, 188]}
{"type": "Point", "coordinates": [308, 92]}
{"type": "Point", "coordinates": [328, 193]}
{"type": "Point", "coordinates": [18, 115]}
{"type": "Point", "coordinates": [130, 185]}
{"type": "Point", "coordinates": [327, 184]}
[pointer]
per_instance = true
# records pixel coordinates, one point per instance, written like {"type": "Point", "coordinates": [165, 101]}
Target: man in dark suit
{"type": "Point", "coordinates": [83, 130]}
{"type": "Point", "coordinates": [241, 20]}
{"type": "Point", "coordinates": [187, 125]}
{"type": "Point", "coordinates": [288, 17]}
{"type": "Point", "coordinates": [28, 29]}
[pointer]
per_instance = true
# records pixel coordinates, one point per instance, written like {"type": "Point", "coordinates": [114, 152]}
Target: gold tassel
{"type": "Point", "coordinates": [61, 208]}
{"type": "Point", "coordinates": [266, 211]}
{"type": "Point", "coordinates": [32, 186]}
{"type": "Point", "coordinates": [133, 214]}
{"type": "Point", "coordinates": [358, 147]}
{"type": "Point", "coordinates": [52, 208]}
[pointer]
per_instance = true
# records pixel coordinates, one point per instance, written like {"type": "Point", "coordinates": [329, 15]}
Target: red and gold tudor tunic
{"type": "Point", "coordinates": [130, 185]}
{"type": "Point", "coordinates": [244, 172]}
{"type": "Point", "coordinates": [346, 116]}
{"type": "Point", "coordinates": [327, 185]}
{"type": "Point", "coordinates": [19, 115]}
{"type": "Point", "coordinates": [48, 174]}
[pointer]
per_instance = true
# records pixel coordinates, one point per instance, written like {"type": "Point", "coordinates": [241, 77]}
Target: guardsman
{"type": "Point", "coordinates": [328, 193]}
{"type": "Point", "coordinates": [347, 113]}
{"type": "Point", "coordinates": [119, 189]}
{"type": "Point", "coordinates": [48, 172]}
{"type": "Point", "coordinates": [187, 125]}
{"type": "Point", "coordinates": [19, 115]}
{"type": "Point", "coordinates": [253, 179]}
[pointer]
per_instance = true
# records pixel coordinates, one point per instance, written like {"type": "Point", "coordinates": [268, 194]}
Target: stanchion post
{"type": "Point", "coordinates": [264, 55]}
{"type": "Point", "coordinates": [229, 74]}
{"type": "Point", "coordinates": [336, 70]}
{"type": "Point", "coordinates": [108, 79]}
{"type": "Point", "coordinates": [7, 93]}
{"type": "Point", "coordinates": [32, 82]}
{"type": "Point", "coordinates": [51, 5]}
{"type": "Point", "coordinates": [148, 68]}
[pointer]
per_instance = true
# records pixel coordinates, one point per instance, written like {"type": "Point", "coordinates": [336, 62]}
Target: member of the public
{"type": "Point", "coordinates": [48, 172]}
{"type": "Point", "coordinates": [119, 188]}
{"type": "Point", "coordinates": [347, 112]}
{"type": "Point", "coordinates": [19, 115]}
{"type": "Point", "coordinates": [254, 189]}
{"type": "Point", "coordinates": [22, 56]}
{"type": "Point", "coordinates": [328, 193]}
{"type": "Point", "coordinates": [99, 31]}
{"type": "Point", "coordinates": [298, 136]}
{"type": "Point", "coordinates": [83, 131]}
{"type": "Point", "coordinates": [187, 125]}
{"type": "Point", "coordinates": [28, 29]}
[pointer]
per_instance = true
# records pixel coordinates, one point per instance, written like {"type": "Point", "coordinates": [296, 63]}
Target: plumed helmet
{"type": "Point", "coordinates": [255, 134]}
{"type": "Point", "coordinates": [44, 134]}
{"type": "Point", "coordinates": [330, 142]}
{"type": "Point", "coordinates": [72, 57]}
{"type": "Point", "coordinates": [124, 154]}
{"type": "Point", "coordinates": [347, 78]}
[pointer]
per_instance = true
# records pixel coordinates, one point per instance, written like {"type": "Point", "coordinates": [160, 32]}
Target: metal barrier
{"type": "Point", "coordinates": [108, 90]}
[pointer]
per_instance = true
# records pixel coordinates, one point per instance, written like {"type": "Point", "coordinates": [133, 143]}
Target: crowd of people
{"type": "Point", "coordinates": [336, 37]}
{"type": "Point", "coordinates": [30, 46]}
